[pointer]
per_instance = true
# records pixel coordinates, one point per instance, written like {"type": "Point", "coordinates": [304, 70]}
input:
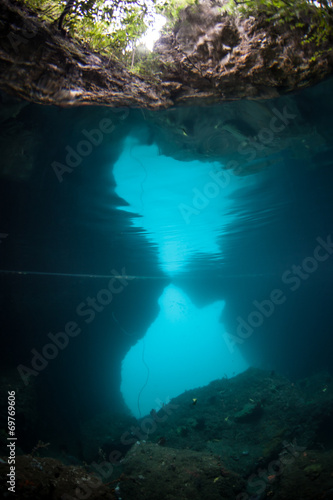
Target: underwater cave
{"type": "Point", "coordinates": [166, 298]}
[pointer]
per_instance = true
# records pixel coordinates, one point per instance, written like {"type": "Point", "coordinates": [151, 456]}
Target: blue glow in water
{"type": "Point", "coordinates": [183, 207]}
{"type": "Point", "coordinates": [183, 349]}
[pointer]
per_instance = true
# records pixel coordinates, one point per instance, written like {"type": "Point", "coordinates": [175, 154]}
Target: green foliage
{"type": "Point", "coordinates": [171, 8]}
{"type": "Point", "coordinates": [145, 63]}
{"type": "Point", "coordinates": [107, 26]}
{"type": "Point", "coordinates": [314, 19]}
{"type": "Point", "coordinates": [285, 11]}
{"type": "Point", "coordinates": [113, 27]}
{"type": "Point", "coordinates": [48, 10]}
{"type": "Point", "coordinates": [278, 8]}
{"type": "Point", "coordinates": [230, 7]}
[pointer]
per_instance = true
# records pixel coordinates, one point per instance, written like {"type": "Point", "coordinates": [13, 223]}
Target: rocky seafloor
{"type": "Point", "coordinates": [255, 436]}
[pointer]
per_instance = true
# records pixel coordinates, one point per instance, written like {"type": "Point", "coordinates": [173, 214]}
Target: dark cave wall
{"type": "Point", "coordinates": [61, 233]}
{"type": "Point", "coordinates": [82, 379]}
{"type": "Point", "coordinates": [294, 338]}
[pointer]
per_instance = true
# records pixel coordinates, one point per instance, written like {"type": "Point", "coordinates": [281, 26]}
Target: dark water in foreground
{"type": "Point", "coordinates": [213, 227]}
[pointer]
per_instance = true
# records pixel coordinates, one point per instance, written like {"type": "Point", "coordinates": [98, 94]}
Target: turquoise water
{"type": "Point", "coordinates": [147, 253]}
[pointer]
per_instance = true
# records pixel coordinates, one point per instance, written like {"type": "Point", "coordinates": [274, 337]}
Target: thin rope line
{"type": "Point", "coordinates": [121, 328]}
{"type": "Point", "coordinates": [79, 275]}
{"type": "Point", "coordinates": [181, 275]}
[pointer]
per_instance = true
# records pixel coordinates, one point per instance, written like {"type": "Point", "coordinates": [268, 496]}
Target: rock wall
{"type": "Point", "coordinates": [209, 57]}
